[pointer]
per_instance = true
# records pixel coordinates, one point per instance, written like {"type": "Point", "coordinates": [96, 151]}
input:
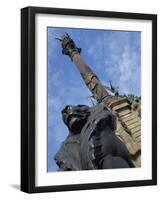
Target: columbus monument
{"type": "Point", "coordinates": [105, 136]}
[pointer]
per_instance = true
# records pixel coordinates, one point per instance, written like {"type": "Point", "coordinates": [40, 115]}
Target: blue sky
{"type": "Point", "coordinates": [113, 55]}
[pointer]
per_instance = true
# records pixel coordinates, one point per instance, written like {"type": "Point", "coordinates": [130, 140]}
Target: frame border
{"type": "Point", "coordinates": [28, 98]}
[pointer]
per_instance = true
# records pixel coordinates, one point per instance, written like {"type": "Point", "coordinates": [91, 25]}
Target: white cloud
{"type": "Point", "coordinates": [125, 65]}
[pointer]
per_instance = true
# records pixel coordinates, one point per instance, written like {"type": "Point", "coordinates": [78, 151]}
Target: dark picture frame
{"type": "Point", "coordinates": [28, 96]}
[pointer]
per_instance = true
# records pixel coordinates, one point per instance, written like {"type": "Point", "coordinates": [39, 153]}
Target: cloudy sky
{"type": "Point", "coordinates": [113, 55]}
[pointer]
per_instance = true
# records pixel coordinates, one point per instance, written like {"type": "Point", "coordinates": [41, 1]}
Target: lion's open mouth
{"type": "Point", "coordinates": [75, 117]}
